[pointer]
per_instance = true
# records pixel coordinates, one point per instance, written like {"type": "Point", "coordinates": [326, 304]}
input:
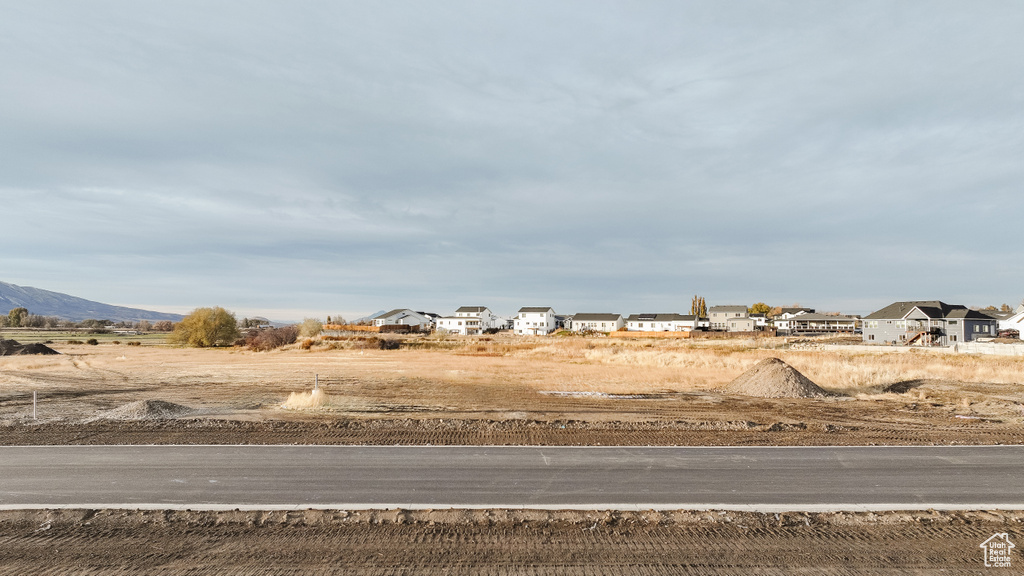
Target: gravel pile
{"type": "Point", "coordinates": [146, 410]}
{"type": "Point", "coordinates": [773, 378]}
{"type": "Point", "coordinates": [13, 348]}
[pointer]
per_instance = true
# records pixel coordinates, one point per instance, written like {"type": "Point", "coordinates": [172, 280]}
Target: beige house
{"type": "Point", "coordinates": [744, 324]}
{"type": "Point", "coordinates": [719, 315]}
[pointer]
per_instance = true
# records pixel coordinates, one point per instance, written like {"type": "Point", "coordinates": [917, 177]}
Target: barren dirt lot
{"type": "Point", "coordinates": [496, 542]}
{"type": "Point", "coordinates": [500, 391]}
{"type": "Point", "coordinates": [553, 391]}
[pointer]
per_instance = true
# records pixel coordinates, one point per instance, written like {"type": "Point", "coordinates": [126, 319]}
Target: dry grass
{"type": "Point", "coordinates": [711, 365]}
{"type": "Point", "coordinates": [306, 400]}
{"type": "Point", "coordinates": [487, 376]}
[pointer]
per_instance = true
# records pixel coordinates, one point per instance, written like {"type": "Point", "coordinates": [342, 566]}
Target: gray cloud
{"type": "Point", "coordinates": [349, 157]}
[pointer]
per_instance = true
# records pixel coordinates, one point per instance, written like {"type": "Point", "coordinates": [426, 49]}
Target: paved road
{"type": "Point", "coordinates": [282, 477]}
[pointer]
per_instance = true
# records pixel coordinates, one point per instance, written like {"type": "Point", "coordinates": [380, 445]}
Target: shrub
{"type": "Point", "coordinates": [206, 327]}
{"type": "Point", "coordinates": [270, 338]}
{"type": "Point", "coordinates": [389, 344]}
{"type": "Point", "coordinates": [135, 343]}
{"type": "Point", "coordinates": [307, 343]}
{"type": "Point", "coordinates": [115, 342]}
{"type": "Point", "coordinates": [92, 342]}
{"type": "Point", "coordinates": [310, 327]}
{"type": "Point", "coordinates": [74, 342]}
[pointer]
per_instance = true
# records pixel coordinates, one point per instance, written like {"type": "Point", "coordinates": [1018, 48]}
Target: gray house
{"type": "Point", "coordinates": [719, 315]}
{"type": "Point", "coordinates": [927, 322]}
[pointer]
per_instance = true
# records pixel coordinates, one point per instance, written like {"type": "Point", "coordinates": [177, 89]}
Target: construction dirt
{"type": "Point", "coordinates": [13, 348]}
{"type": "Point", "coordinates": [773, 378]}
{"type": "Point", "coordinates": [507, 391]}
{"type": "Point", "coordinates": [535, 542]}
{"type": "Point", "coordinates": [523, 393]}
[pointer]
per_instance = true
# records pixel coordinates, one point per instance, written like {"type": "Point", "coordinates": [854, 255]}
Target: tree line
{"type": "Point", "coordinates": [21, 318]}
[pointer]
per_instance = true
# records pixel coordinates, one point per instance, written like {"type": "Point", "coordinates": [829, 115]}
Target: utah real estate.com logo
{"type": "Point", "coordinates": [997, 550]}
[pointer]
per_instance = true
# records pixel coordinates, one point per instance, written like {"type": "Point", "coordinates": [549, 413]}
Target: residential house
{"type": "Point", "coordinates": [1014, 322]}
{"type": "Point", "coordinates": [740, 324]}
{"type": "Point", "coordinates": [720, 314]}
{"type": "Point", "coordinates": [594, 322]}
{"type": "Point", "coordinates": [927, 322]}
{"type": "Point", "coordinates": [760, 320]}
{"type": "Point", "coordinates": [535, 320]}
{"type": "Point", "coordinates": [809, 323]}
{"type": "Point", "coordinates": [470, 320]}
{"type": "Point", "coordinates": [781, 321]}
{"type": "Point", "coordinates": [404, 316]}
{"type": "Point", "coordinates": [661, 323]}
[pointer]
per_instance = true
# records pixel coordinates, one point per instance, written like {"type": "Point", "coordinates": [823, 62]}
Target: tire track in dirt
{"type": "Point", "coordinates": [481, 432]}
{"type": "Point", "coordinates": [495, 542]}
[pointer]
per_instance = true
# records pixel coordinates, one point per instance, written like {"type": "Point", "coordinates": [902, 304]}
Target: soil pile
{"type": "Point", "coordinates": [773, 378]}
{"type": "Point", "coordinates": [13, 348]}
{"type": "Point", "coordinates": [147, 410]}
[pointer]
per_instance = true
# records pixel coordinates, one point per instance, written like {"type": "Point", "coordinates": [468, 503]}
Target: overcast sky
{"type": "Point", "coordinates": [297, 159]}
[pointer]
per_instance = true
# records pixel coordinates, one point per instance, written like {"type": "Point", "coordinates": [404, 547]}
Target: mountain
{"type": "Point", "coordinates": [46, 303]}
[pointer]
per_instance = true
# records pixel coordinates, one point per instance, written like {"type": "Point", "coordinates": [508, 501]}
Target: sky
{"type": "Point", "coordinates": [314, 158]}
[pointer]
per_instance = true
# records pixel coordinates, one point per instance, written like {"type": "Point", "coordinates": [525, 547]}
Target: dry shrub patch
{"type": "Point", "coordinates": [271, 338]}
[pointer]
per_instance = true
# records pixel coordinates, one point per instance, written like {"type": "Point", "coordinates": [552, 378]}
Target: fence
{"type": "Point", "coordinates": [989, 348]}
{"type": "Point", "coordinates": [695, 334]}
{"type": "Point", "coordinates": [350, 328]}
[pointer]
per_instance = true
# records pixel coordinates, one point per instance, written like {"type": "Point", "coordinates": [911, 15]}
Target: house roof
{"type": "Point", "coordinates": [935, 309]}
{"type": "Point", "coordinates": [714, 309]}
{"type": "Point", "coordinates": [805, 317]}
{"type": "Point", "coordinates": [795, 310]}
{"type": "Point", "coordinates": [394, 312]}
{"type": "Point", "coordinates": [536, 309]}
{"type": "Point", "coordinates": [471, 309]}
{"type": "Point", "coordinates": [594, 316]}
{"type": "Point", "coordinates": [673, 317]}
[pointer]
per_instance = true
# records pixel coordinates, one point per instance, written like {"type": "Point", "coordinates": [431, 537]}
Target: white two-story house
{"type": "Point", "coordinates": [469, 320]}
{"type": "Point", "coordinates": [535, 321]}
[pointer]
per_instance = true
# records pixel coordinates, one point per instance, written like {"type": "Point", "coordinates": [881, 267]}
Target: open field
{"type": "Point", "coordinates": [547, 391]}
{"type": "Point", "coordinates": [496, 542]}
{"type": "Point", "coordinates": [504, 390]}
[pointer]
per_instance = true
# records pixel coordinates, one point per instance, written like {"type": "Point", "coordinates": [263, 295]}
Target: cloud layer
{"type": "Point", "coordinates": [347, 157]}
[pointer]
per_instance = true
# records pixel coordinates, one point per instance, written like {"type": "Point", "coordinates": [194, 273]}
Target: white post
{"type": "Point", "coordinates": [34, 405]}
{"type": "Point", "coordinates": [316, 381]}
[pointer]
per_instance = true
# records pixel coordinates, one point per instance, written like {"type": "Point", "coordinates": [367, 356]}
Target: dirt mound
{"type": "Point", "coordinates": [147, 410]}
{"type": "Point", "coordinates": [773, 378]}
{"type": "Point", "coordinates": [13, 348]}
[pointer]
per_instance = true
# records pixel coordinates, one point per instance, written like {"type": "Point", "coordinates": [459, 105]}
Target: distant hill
{"type": "Point", "coordinates": [47, 303]}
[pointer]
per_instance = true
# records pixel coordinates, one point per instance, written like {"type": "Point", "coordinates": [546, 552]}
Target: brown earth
{"type": "Point", "coordinates": [773, 378]}
{"type": "Point", "coordinates": [115, 542]}
{"type": "Point", "coordinates": [500, 391]}
{"type": "Point", "coordinates": [514, 392]}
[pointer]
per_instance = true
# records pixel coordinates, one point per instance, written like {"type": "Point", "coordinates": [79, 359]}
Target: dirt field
{"type": "Point", "coordinates": [497, 542]}
{"type": "Point", "coordinates": [506, 391]}
{"type": "Point", "coordinates": [500, 391]}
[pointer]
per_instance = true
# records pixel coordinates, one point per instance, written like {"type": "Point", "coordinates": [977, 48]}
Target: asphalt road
{"type": "Point", "coordinates": [350, 477]}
